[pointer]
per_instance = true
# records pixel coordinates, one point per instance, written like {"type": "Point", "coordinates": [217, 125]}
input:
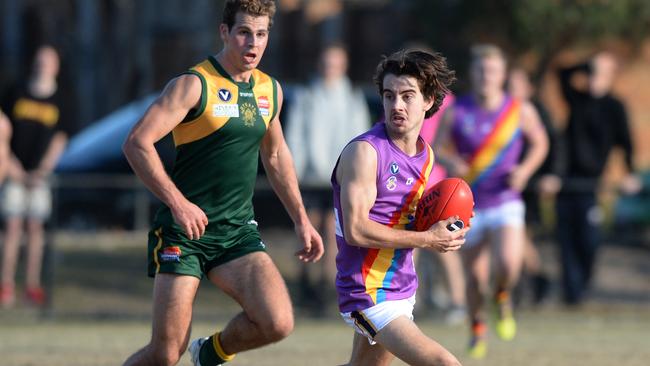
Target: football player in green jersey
{"type": "Point", "coordinates": [223, 113]}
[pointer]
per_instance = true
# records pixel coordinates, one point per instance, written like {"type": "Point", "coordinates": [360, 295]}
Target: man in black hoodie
{"type": "Point", "coordinates": [597, 123]}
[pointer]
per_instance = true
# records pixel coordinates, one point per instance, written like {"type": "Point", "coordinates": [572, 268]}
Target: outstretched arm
{"type": "Point", "coordinates": [180, 95]}
{"type": "Point", "coordinates": [280, 171]}
{"type": "Point", "coordinates": [356, 174]}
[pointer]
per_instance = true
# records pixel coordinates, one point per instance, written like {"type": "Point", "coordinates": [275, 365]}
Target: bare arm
{"type": "Point", "coordinates": [52, 155]}
{"type": "Point", "coordinates": [278, 164]}
{"type": "Point", "coordinates": [180, 95]}
{"type": "Point", "coordinates": [356, 173]}
{"type": "Point", "coordinates": [5, 137]}
{"type": "Point", "coordinates": [533, 131]}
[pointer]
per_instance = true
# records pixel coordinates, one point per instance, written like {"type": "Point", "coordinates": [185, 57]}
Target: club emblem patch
{"type": "Point", "coordinates": [248, 112]}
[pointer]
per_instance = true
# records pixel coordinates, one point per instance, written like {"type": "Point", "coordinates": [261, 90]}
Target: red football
{"type": "Point", "coordinates": [447, 198]}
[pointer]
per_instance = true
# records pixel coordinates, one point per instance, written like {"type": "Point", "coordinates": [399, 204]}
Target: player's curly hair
{"type": "Point", "coordinates": [428, 68]}
{"type": "Point", "coordinates": [253, 7]}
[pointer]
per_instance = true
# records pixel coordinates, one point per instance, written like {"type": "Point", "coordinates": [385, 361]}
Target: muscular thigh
{"type": "Point", "coordinates": [172, 308]}
{"type": "Point", "coordinates": [365, 354]}
{"type": "Point", "coordinates": [255, 283]}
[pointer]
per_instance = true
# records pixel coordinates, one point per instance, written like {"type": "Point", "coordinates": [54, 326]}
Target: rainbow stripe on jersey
{"type": "Point", "coordinates": [491, 152]}
{"type": "Point", "coordinates": [369, 276]}
{"type": "Point", "coordinates": [491, 143]}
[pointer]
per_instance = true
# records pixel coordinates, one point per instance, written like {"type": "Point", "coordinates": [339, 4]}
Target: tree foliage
{"type": "Point", "coordinates": [522, 26]}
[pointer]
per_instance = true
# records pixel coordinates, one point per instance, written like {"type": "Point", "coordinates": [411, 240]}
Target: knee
{"type": "Point", "coordinates": [165, 355]}
{"type": "Point", "coordinates": [166, 358]}
{"type": "Point", "coordinates": [447, 360]}
{"type": "Point", "coordinates": [278, 327]}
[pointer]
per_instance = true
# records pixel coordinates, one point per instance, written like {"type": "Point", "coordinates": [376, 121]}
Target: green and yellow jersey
{"type": "Point", "coordinates": [217, 148]}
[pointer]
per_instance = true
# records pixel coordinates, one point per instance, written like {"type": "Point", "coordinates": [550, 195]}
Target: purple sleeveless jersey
{"type": "Point", "coordinates": [368, 276]}
{"type": "Point", "coordinates": [491, 143]}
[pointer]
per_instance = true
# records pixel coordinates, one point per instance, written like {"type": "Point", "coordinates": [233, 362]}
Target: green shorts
{"type": "Point", "coordinates": [172, 252]}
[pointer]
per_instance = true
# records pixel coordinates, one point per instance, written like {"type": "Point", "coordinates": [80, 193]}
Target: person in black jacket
{"type": "Point", "coordinates": [597, 123]}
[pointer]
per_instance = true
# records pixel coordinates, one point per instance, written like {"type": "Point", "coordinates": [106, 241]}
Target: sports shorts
{"type": "Point", "coordinates": [511, 213]}
{"type": "Point", "coordinates": [170, 251]}
{"type": "Point", "coordinates": [18, 200]}
{"type": "Point", "coordinates": [370, 321]}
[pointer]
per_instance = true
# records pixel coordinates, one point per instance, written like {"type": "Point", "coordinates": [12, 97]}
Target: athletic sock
{"type": "Point", "coordinates": [504, 307]}
{"type": "Point", "coordinates": [212, 352]}
{"type": "Point", "coordinates": [479, 329]}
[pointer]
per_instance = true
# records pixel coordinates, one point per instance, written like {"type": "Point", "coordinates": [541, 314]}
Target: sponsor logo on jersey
{"type": "Point", "coordinates": [246, 94]}
{"type": "Point", "coordinates": [170, 254]}
{"type": "Point", "coordinates": [391, 183]}
{"type": "Point", "coordinates": [394, 168]}
{"type": "Point", "coordinates": [262, 244]}
{"type": "Point", "coordinates": [248, 113]}
{"type": "Point", "coordinates": [225, 110]}
{"type": "Point", "coordinates": [224, 94]}
{"type": "Point", "coordinates": [409, 181]}
{"type": "Point", "coordinates": [263, 105]}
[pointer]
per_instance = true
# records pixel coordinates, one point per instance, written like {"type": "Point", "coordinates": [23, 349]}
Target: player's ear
{"type": "Point", "coordinates": [428, 102]}
{"type": "Point", "coordinates": [224, 31]}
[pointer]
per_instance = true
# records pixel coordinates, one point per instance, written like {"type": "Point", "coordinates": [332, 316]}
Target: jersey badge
{"type": "Point", "coordinates": [224, 94]}
{"type": "Point", "coordinates": [170, 254]}
{"type": "Point", "coordinates": [263, 105]}
{"type": "Point", "coordinates": [225, 110]}
{"type": "Point", "coordinates": [391, 183]}
{"type": "Point", "coordinates": [394, 168]}
{"type": "Point", "coordinates": [248, 113]}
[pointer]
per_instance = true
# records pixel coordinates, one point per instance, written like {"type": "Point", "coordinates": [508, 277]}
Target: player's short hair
{"type": "Point", "coordinates": [428, 68]}
{"type": "Point", "coordinates": [485, 50]}
{"type": "Point", "coordinates": [255, 8]}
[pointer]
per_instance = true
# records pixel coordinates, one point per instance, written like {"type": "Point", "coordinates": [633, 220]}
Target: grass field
{"type": "Point", "coordinates": [101, 301]}
{"type": "Point", "coordinates": [598, 337]}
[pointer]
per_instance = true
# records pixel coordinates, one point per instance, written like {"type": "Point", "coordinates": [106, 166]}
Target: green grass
{"type": "Point", "coordinates": [595, 337]}
{"type": "Point", "coordinates": [101, 311]}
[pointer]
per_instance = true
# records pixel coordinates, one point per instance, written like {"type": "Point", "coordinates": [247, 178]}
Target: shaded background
{"type": "Point", "coordinates": [116, 52]}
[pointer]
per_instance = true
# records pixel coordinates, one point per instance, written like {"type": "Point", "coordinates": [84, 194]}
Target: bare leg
{"type": "Point", "coordinates": [510, 250]}
{"type": "Point", "coordinates": [477, 267]}
{"type": "Point", "coordinates": [405, 340]}
{"type": "Point", "coordinates": [172, 317]}
{"type": "Point", "coordinates": [531, 256]}
{"type": "Point", "coordinates": [453, 267]}
{"type": "Point", "coordinates": [364, 354]}
{"type": "Point", "coordinates": [14, 228]}
{"type": "Point", "coordinates": [255, 283]}
{"type": "Point", "coordinates": [35, 242]}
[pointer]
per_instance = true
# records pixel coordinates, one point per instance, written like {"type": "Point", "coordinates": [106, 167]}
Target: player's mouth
{"type": "Point", "coordinates": [250, 57]}
{"type": "Point", "coordinates": [398, 119]}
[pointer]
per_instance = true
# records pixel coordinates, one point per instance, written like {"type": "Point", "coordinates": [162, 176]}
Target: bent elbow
{"type": "Point", "coordinates": [355, 238]}
{"type": "Point", "coordinates": [127, 146]}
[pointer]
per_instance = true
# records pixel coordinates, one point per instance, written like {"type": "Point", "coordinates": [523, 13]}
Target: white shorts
{"type": "Point", "coordinates": [21, 201]}
{"type": "Point", "coordinates": [369, 322]}
{"type": "Point", "coordinates": [511, 213]}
